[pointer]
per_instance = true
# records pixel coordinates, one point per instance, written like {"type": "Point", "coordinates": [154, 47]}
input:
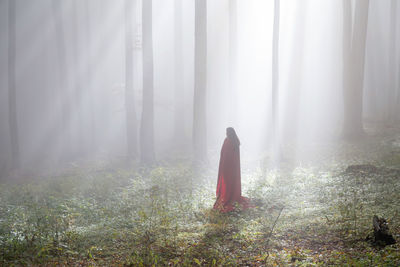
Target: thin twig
{"type": "Point", "coordinates": [272, 229]}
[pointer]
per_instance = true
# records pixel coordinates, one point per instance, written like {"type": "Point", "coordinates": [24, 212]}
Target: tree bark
{"type": "Point", "coordinates": [200, 82]}
{"type": "Point", "coordinates": [12, 88]}
{"type": "Point", "coordinates": [131, 125]}
{"type": "Point", "coordinates": [147, 123]}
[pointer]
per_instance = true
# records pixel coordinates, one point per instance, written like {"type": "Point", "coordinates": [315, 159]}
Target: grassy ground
{"type": "Point", "coordinates": [308, 213]}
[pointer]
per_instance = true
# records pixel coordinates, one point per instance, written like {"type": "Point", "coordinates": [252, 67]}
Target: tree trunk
{"type": "Point", "coordinates": [397, 61]}
{"type": "Point", "coordinates": [131, 128]}
{"type": "Point", "coordinates": [78, 125]}
{"type": "Point", "coordinates": [232, 61]}
{"type": "Point", "coordinates": [63, 88]}
{"type": "Point", "coordinates": [291, 118]}
{"type": "Point", "coordinates": [392, 101]}
{"type": "Point", "coordinates": [275, 78]}
{"type": "Point", "coordinates": [147, 124]}
{"type": "Point", "coordinates": [12, 88]}
{"type": "Point", "coordinates": [91, 141]}
{"type": "Point", "coordinates": [354, 42]}
{"type": "Point", "coordinates": [347, 76]}
{"type": "Point", "coordinates": [200, 82]}
{"type": "Point", "coordinates": [179, 87]}
{"type": "Point", "coordinates": [358, 51]}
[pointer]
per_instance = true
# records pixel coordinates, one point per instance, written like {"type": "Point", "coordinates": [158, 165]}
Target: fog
{"type": "Point", "coordinates": [70, 77]}
{"type": "Point", "coordinates": [199, 133]}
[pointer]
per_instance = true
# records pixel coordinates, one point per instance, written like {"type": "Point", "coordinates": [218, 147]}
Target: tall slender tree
{"type": "Point", "coordinates": [233, 41]}
{"type": "Point", "coordinates": [77, 81]}
{"type": "Point", "coordinates": [346, 48]}
{"type": "Point", "coordinates": [354, 43]}
{"type": "Point", "coordinates": [91, 140]}
{"type": "Point", "coordinates": [179, 87]}
{"type": "Point", "coordinates": [395, 10]}
{"type": "Point", "coordinates": [63, 87]}
{"type": "Point", "coordinates": [291, 118]}
{"type": "Point", "coordinates": [147, 123]}
{"type": "Point", "coordinates": [12, 88]}
{"type": "Point", "coordinates": [131, 125]}
{"type": "Point", "coordinates": [275, 76]}
{"type": "Point", "coordinates": [200, 82]}
{"type": "Point", "coordinates": [393, 65]}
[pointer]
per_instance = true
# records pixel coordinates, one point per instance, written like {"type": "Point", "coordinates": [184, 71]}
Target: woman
{"type": "Point", "coordinates": [229, 192]}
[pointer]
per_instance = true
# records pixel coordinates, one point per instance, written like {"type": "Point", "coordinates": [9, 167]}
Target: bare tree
{"type": "Point", "coordinates": [200, 82]}
{"type": "Point", "coordinates": [147, 123]}
{"type": "Point", "coordinates": [354, 42]}
{"type": "Point", "coordinates": [12, 88]}
{"type": "Point", "coordinates": [131, 125]}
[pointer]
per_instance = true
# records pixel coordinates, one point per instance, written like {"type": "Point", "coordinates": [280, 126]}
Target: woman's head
{"type": "Point", "coordinates": [231, 134]}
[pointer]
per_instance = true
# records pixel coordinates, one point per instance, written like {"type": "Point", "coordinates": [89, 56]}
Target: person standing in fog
{"type": "Point", "coordinates": [229, 189]}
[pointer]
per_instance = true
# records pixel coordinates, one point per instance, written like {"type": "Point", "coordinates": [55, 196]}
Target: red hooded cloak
{"type": "Point", "coordinates": [229, 192]}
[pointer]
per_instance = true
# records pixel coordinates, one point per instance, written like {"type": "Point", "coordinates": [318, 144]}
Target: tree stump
{"type": "Point", "coordinates": [381, 232]}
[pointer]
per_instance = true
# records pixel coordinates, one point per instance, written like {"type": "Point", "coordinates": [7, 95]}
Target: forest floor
{"type": "Point", "coordinates": [309, 212]}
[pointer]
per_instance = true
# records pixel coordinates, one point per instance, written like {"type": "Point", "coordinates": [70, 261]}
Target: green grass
{"type": "Point", "coordinates": [308, 215]}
